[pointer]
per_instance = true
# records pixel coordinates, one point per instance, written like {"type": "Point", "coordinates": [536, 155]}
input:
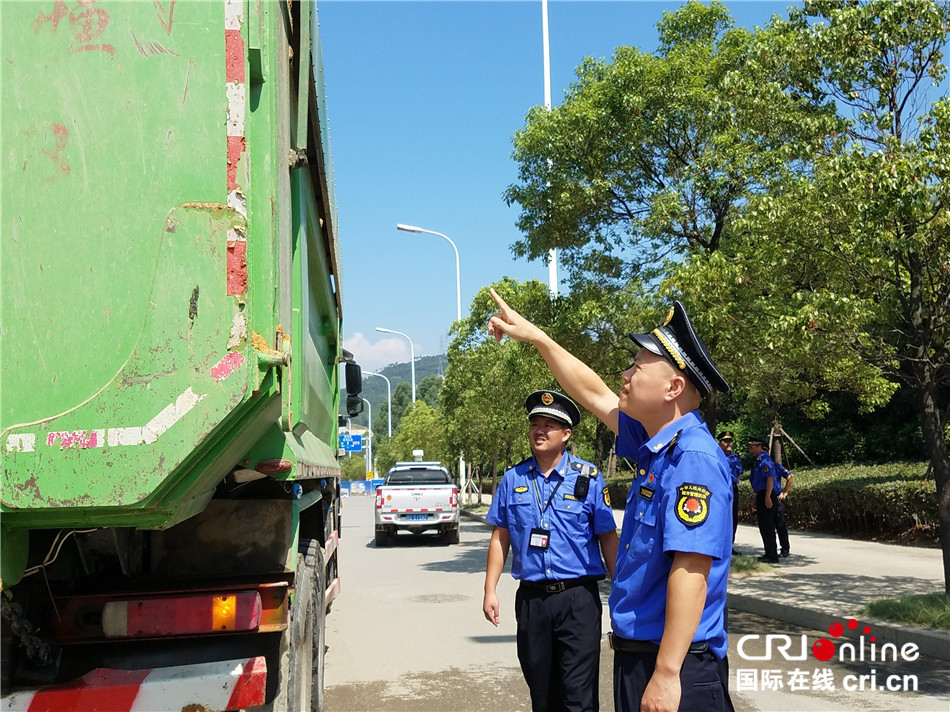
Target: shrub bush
{"type": "Point", "coordinates": [890, 500]}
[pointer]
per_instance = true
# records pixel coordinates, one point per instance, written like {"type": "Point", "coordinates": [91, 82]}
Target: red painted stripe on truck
{"type": "Point", "coordinates": [237, 259]}
{"type": "Point", "coordinates": [234, 56]}
{"type": "Point", "coordinates": [249, 690]}
{"type": "Point", "coordinates": [97, 690]}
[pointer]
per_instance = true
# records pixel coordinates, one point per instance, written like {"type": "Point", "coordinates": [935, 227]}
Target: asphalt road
{"type": "Point", "coordinates": [407, 635]}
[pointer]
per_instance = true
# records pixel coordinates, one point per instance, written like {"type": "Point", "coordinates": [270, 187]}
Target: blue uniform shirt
{"type": "Point", "coordinates": [680, 500]}
{"type": "Point", "coordinates": [764, 467]}
{"type": "Point", "coordinates": [735, 467]}
{"type": "Point", "coordinates": [573, 550]}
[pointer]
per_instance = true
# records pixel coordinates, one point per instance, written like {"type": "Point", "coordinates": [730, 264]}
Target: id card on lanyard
{"type": "Point", "coordinates": [541, 537]}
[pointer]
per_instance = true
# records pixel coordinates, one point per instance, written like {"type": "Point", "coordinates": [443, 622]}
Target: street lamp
{"type": "Point", "coordinates": [369, 436]}
{"type": "Point", "coordinates": [389, 399]}
{"type": "Point", "coordinates": [412, 357]}
{"type": "Point", "coordinates": [458, 283]}
{"type": "Point", "coordinates": [458, 303]}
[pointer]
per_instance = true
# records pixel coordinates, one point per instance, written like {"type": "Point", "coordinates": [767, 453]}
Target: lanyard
{"type": "Point", "coordinates": [537, 494]}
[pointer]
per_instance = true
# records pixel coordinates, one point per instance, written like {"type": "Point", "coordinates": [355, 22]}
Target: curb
{"type": "Point", "coordinates": [476, 517]}
{"type": "Point", "coordinates": [932, 643]}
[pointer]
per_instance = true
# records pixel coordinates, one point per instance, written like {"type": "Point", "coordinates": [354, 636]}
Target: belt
{"type": "Point", "coordinates": [625, 645]}
{"type": "Point", "coordinates": [549, 586]}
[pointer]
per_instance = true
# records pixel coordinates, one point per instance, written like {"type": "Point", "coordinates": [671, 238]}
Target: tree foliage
{"type": "Point", "coordinates": [650, 155]}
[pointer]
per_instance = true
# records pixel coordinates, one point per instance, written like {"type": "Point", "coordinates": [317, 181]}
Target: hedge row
{"type": "Point", "coordinates": [883, 500]}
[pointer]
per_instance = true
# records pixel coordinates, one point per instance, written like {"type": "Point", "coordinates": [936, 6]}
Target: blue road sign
{"type": "Point", "coordinates": [350, 442]}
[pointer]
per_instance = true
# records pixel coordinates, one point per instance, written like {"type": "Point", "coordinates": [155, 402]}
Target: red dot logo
{"type": "Point", "coordinates": [823, 649]}
{"type": "Point", "coordinates": [835, 630]}
{"type": "Point", "coordinates": [852, 624]}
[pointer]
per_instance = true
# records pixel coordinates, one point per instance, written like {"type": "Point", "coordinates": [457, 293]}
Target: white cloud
{"type": "Point", "coordinates": [373, 357]}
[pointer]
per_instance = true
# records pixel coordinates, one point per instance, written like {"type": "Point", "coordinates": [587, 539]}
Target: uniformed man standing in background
{"type": "Point", "coordinates": [668, 599]}
{"type": "Point", "coordinates": [726, 442]}
{"type": "Point", "coordinates": [553, 512]}
{"type": "Point", "coordinates": [783, 478]}
{"type": "Point", "coordinates": [766, 488]}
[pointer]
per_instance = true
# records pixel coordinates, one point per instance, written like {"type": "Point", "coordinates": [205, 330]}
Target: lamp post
{"type": "Point", "coordinates": [552, 253]}
{"type": "Point", "coordinates": [369, 436]}
{"type": "Point", "coordinates": [412, 357]}
{"type": "Point", "coordinates": [458, 305]}
{"type": "Point", "coordinates": [389, 400]}
{"type": "Point", "coordinates": [458, 283]}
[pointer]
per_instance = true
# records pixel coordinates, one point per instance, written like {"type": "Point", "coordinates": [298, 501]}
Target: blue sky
{"type": "Point", "coordinates": [423, 99]}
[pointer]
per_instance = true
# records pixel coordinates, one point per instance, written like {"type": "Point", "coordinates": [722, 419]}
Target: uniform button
{"type": "Point", "coordinates": [628, 546]}
{"type": "Point", "coordinates": [643, 472]}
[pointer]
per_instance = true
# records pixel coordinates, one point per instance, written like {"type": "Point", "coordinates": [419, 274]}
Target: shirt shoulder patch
{"type": "Point", "coordinates": [692, 504]}
{"type": "Point", "coordinates": [519, 490]}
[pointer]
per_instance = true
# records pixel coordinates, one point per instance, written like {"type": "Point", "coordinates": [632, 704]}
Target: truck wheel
{"type": "Point", "coordinates": [303, 643]}
{"type": "Point", "coordinates": [452, 536]}
{"type": "Point", "coordinates": [382, 539]}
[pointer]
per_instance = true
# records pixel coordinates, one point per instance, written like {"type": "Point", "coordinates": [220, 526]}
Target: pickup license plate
{"type": "Point", "coordinates": [417, 517]}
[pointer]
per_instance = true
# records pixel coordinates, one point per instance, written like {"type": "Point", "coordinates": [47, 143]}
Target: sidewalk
{"type": "Point", "coordinates": [827, 579]}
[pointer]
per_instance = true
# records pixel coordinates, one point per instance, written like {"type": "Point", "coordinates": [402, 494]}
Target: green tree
{"type": "Point", "coordinates": [877, 208]}
{"type": "Point", "coordinates": [427, 390]}
{"type": "Point", "coordinates": [835, 277]}
{"type": "Point", "coordinates": [421, 428]}
{"type": "Point", "coordinates": [650, 155]}
{"type": "Point", "coordinates": [353, 467]}
{"type": "Point", "coordinates": [402, 399]}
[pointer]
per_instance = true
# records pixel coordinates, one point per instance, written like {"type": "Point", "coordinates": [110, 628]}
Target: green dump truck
{"type": "Point", "coordinates": [170, 344]}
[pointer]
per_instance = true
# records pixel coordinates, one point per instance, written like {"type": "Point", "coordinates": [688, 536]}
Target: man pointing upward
{"type": "Point", "coordinates": [668, 599]}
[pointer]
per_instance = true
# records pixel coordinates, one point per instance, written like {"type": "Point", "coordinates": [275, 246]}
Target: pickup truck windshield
{"type": "Point", "coordinates": [418, 477]}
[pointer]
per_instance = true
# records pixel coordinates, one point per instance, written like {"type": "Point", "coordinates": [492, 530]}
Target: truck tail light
{"type": "Point", "coordinates": [454, 497]}
{"type": "Point", "coordinates": [379, 498]}
{"type": "Point", "coordinates": [182, 615]}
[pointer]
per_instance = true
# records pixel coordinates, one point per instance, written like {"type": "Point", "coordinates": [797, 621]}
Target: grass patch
{"type": "Point", "coordinates": [476, 508]}
{"type": "Point", "coordinates": [929, 610]}
{"type": "Point", "coordinates": [748, 565]}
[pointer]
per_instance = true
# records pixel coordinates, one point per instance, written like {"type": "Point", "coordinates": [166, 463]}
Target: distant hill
{"type": "Point", "coordinates": [374, 389]}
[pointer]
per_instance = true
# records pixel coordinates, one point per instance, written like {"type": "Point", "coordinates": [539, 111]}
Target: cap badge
{"type": "Point", "coordinates": [669, 316]}
{"type": "Point", "coordinates": [547, 398]}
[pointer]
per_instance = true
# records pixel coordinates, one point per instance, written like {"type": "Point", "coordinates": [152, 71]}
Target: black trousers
{"type": "Point", "coordinates": [704, 681]}
{"type": "Point", "coordinates": [767, 522]}
{"type": "Point", "coordinates": [559, 638]}
{"type": "Point", "coordinates": [780, 526]}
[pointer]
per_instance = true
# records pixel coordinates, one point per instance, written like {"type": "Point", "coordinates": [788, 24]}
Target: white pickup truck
{"type": "Point", "coordinates": [415, 497]}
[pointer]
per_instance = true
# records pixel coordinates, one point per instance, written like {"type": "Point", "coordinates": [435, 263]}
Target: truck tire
{"type": "Point", "coordinates": [303, 644]}
{"type": "Point", "coordinates": [382, 538]}
{"type": "Point", "coordinates": [452, 535]}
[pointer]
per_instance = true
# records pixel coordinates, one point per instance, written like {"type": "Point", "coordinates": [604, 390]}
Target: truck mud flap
{"type": "Point", "coordinates": [225, 685]}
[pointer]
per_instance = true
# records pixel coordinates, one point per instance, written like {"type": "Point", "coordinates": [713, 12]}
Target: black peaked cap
{"type": "Point", "coordinates": [552, 404]}
{"type": "Point", "coordinates": [677, 341]}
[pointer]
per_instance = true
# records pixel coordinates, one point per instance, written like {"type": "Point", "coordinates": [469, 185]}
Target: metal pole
{"type": "Point", "coordinates": [389, 400]}
{"type": "Point", "coordinates": [369, 437]}
{"type": "Point", "coordinates": [552, 253]}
